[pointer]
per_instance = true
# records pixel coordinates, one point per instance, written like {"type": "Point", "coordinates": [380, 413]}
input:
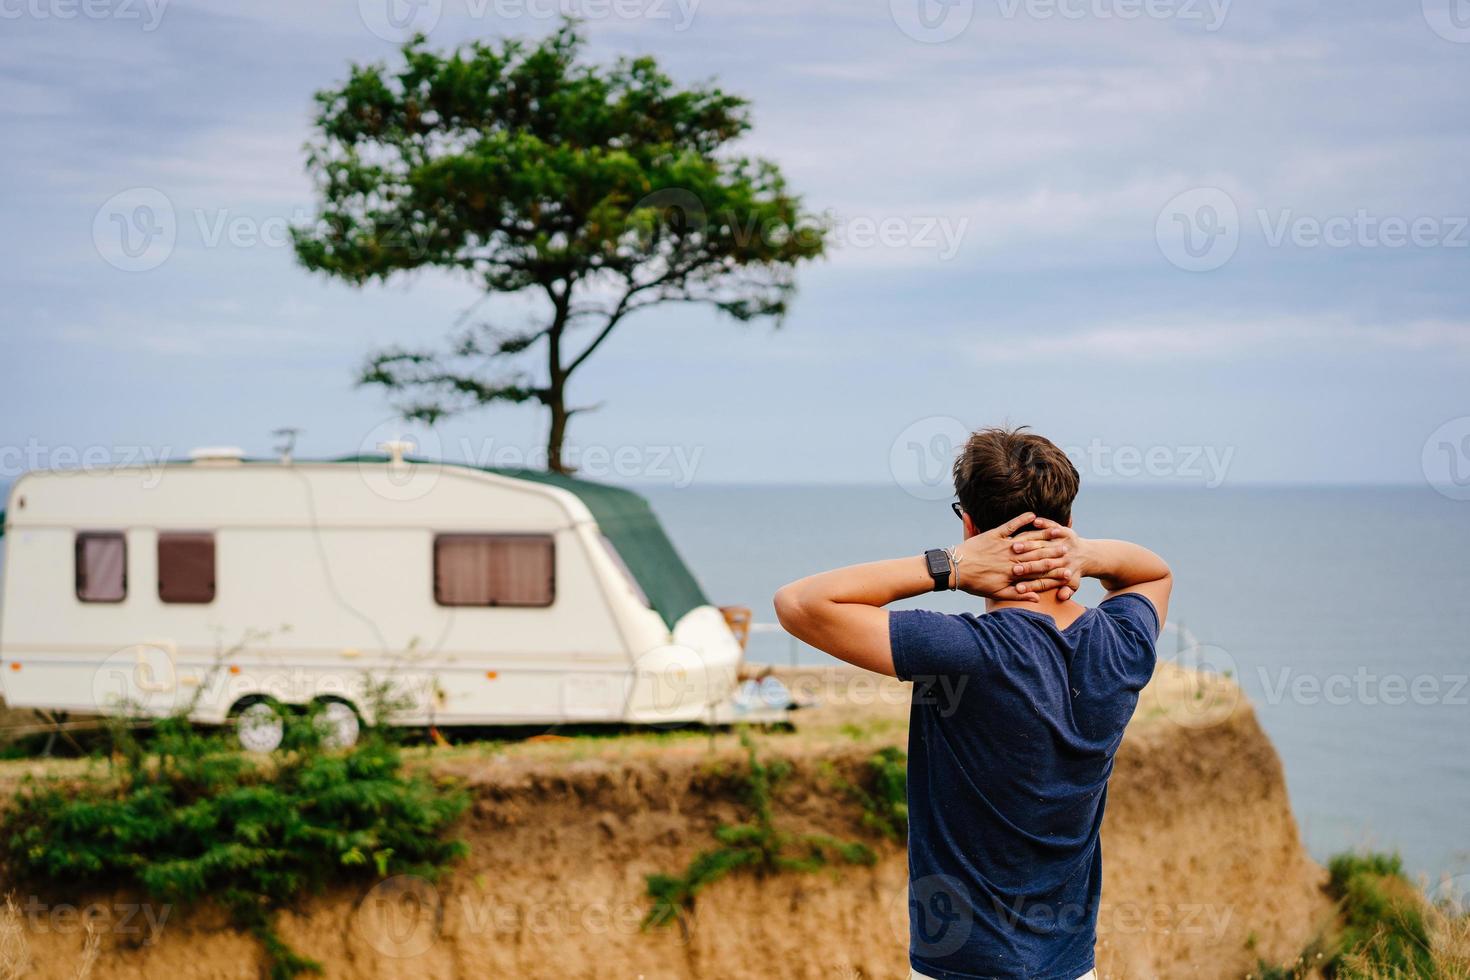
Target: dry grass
{"type": "Point", "coordinates": [1451, 945]}
{"type": "Point", "coordinates": [15, 948]}
{"type": "Point", "coordinates": [1449, 950]}
{"type": "Point", "coordinates": [91, 949]}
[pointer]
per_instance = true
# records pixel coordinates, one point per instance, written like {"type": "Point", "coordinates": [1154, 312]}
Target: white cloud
{"type": "Point", "coordinates": [1174, 339]}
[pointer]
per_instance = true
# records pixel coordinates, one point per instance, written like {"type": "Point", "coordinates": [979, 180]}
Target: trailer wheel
{"type": "Point", "coordinates": [259, 727]}
{"type": "Point", "coordinates": [337, 724]}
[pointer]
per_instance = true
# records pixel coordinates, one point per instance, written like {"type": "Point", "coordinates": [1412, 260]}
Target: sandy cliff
{"type": "Point", "coordinates": [1204, 867]}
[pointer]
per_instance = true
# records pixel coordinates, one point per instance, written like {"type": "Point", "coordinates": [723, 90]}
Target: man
{"type": "Point", "coordinates": [1016, 714]}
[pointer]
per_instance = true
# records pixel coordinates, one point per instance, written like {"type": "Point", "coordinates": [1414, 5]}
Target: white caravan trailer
{"type": "Point", "coordinates": [480, 597]}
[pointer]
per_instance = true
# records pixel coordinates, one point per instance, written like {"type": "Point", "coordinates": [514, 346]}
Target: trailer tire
{"type": "Point", "coordinates": [259, 727]}
{"type": "Point", "coordinates": [337, 723]}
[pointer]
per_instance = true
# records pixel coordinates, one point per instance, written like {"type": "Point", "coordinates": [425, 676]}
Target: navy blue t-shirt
{"type": "Point", "coordinates": [1012, 732]}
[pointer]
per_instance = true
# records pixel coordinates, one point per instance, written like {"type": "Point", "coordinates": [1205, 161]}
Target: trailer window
{"type": "Point", "coordinates": [186, 567]}
{"type": "Point", "coordinates": [102, 566]}
{"type": "Point", "coordinates": [494, 569]}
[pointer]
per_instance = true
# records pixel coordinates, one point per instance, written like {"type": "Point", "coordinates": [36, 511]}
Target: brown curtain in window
{"type": "Point", "coordinates": [493, 570]}
{"type": "Point", "coordinates": [186, 567]}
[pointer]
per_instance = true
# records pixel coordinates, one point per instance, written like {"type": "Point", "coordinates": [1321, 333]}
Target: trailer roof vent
{"type": "Point", "coordinates": [396, 450]}
{"type": "Point", "coordinates": [217, 455]}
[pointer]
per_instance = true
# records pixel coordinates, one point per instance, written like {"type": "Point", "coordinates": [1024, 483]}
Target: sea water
{"type": "Point", "coordinates": [1343, 612]}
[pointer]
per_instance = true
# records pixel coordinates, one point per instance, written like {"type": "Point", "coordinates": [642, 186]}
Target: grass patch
{"type": "Point", "coordinates": [756, 845]}
{"type": "Point", "coordinates": [1387, 930]}
{"type": "Point", "coordinates": [884, 800]}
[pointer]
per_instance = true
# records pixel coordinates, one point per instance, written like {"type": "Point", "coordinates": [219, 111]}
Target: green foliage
{"type": "Point", "coordinates": [1308, 964]}
{"type": "Point", "coordinates": [884, 800]}
{"type": "Point", "coordinates": [1384, 932]}
{"type": "Point", "coordinates": [594, 190]}
{"type": "Point", "coordinates": [1385, 925]}
{"type": "Point", "coordinates": [1343, 868]}
{"type": "Point", "coordinates": [185, 817]}
{"type": "Point", "coordinates": [758, 845]}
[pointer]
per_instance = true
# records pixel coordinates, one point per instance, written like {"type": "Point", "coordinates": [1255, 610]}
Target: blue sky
{"type": "Point", "coordinates": [1012, 182]}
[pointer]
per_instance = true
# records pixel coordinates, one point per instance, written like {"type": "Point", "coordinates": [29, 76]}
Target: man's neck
{"type": "Point", "coordinates": [1063, 613]}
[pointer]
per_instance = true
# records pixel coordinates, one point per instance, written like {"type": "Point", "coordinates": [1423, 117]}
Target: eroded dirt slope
{"type": "Point", "coordinates": [1204, 869]}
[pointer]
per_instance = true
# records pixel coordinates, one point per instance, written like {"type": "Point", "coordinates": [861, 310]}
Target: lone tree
{"type": "Point", "coordinates": [598, 191]}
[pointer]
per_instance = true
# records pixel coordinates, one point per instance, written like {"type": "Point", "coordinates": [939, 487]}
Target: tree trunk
{"type": "Point", "coordinates": [555, 397]}
{"type": "Point", "coordinates": [558, 434]}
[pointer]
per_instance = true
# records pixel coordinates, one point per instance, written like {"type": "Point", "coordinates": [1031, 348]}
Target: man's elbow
{"type": "Point", "coordinates": [791, 608]}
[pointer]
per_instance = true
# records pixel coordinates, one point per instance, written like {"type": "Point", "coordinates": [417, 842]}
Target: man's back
{"type": "Point", "coordinates": [1015, 721]}
{"type": "Point", "coordinates": [1012, 734]}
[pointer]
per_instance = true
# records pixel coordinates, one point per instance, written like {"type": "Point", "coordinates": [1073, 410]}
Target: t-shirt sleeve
{"type": "Point", "coordinates": [931, 644]}
{"type": "Point", "coordinates": [1135, 612]}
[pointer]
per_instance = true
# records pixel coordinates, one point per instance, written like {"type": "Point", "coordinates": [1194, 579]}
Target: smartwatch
{"type": "Point", "coordinates": [938, 562]}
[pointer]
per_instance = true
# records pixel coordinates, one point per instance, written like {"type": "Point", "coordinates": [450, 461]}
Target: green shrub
{"type": "Point", "coordinates": [757, 845]}
{"type": "Point", "coordinates": [884, 801]}
{"type": "Point", "coordinates": [184, 816]}
{"type": "Point", "coordinates": [1384, 930]}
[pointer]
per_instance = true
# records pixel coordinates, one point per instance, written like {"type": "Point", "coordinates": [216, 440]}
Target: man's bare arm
{"type": "Point", "coordinates": [1120, 566]}
{"type": "Point", "coordinates": [841, 612]}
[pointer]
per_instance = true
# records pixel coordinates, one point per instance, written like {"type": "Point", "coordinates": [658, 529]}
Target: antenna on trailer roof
{"type": "Point", "coordinates": [289, 444]}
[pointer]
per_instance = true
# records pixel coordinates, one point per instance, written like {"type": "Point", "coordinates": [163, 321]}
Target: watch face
{"type": "Point", "coordinates": [938, 563]}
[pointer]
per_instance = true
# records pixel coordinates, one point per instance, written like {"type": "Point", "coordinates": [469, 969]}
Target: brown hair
{"type": "Point", "coordinates": [1003, 473]}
